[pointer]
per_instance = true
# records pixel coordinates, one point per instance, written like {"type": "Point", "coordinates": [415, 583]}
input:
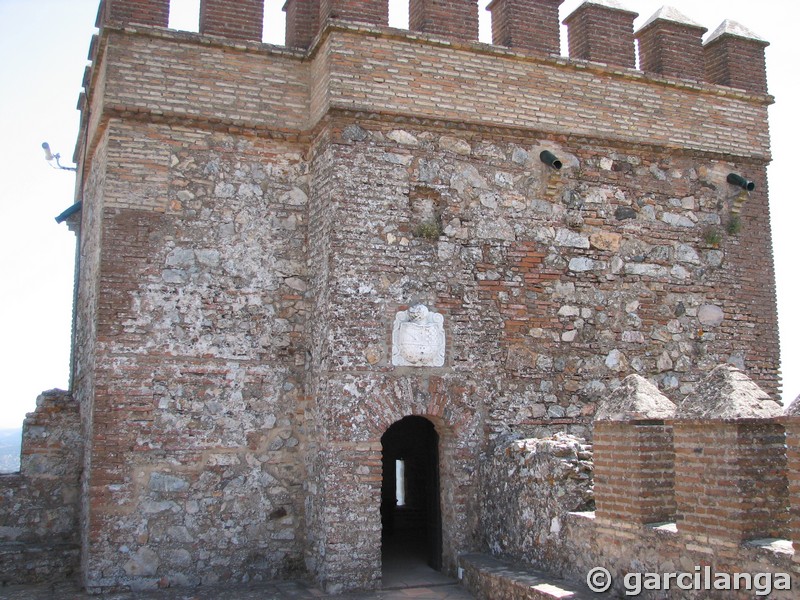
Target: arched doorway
{"type": "Point", "coordinates": [411, 515]}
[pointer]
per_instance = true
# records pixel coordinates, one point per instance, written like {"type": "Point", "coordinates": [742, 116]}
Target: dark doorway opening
{"type": "Point", "coordinates": [411, 516]}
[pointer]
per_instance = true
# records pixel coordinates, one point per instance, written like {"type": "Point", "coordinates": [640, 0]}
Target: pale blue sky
{"type": "Point", "coordinates": [43, 48]}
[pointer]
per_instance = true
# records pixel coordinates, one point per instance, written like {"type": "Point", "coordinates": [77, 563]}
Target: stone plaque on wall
{"type": "Point", "coordinates": [418, 338]}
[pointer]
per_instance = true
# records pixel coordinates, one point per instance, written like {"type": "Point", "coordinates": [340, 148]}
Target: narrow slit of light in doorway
{"type": "Point", "coordinates": [400, 482]}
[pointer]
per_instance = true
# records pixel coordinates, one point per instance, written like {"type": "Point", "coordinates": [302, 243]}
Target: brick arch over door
{"type": "Point", "coordinates": [449, 405]}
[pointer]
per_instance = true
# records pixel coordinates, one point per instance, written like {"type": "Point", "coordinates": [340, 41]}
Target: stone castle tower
{"type": "Point", "coordinates": [299, 265]}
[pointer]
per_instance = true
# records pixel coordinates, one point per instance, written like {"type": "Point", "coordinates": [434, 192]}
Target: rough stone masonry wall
{"type": "Point", "coordinates": [39, 505]}
{"type": "Point", "coordinates": [527, 488]}
{"type": "Point", "coordinates": [197, 465]}
{"type": "Point", "coordinates": [553, 285]}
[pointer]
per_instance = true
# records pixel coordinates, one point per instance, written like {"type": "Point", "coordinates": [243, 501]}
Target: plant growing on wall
{"type": "Point", "coordinates": [428, 230]}
{"type": "Point", "coordinates": [734, 225]}
{"type": "Point", "coordinates": [712, 236]}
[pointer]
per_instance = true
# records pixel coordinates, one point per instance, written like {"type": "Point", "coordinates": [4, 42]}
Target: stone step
{"type": "Point", "coordinates": [489, 578]}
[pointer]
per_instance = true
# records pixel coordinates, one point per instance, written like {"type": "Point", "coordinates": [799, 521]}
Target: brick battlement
{"type": "Point", "coordinates": [479, 85]}
{"type": "Point", "coordinates": [718, 467]}
{"type": "Point", "coordinates": [718, 477]}
{"type": "Point", "coordinates": [518, 82]}
{"type": "Point", "coordinates": [599, 31]}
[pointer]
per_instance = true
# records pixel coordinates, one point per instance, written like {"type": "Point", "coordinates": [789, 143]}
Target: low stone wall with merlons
{"type": "Point", "coordinates": [693, 499]}
{"type": "Point", "coordinates": [39, 505]}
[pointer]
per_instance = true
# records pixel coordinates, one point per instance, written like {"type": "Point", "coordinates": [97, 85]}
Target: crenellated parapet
{"type": "Point", "coordinates": [670, 44]}
{"type": "Point", "coordinates": [520, 87]}
{"type": "Point", "coordinates": [716, 465]}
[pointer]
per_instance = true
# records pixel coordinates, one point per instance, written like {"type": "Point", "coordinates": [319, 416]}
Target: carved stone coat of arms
{"type": "Point", "coordinates": [418, 338]}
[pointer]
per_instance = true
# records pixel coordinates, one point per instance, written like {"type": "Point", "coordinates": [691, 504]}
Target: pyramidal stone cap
{"type": "Point", "coordinates": [793, 410]}
{"type": "Point", "coordinates": [729, 27]}
{"type": "Point", "coordinates": [669, 13]}
{"type": "Point", "coordinates": [612, 4]}
{"type": "Point", "coordinates": [635, 399]}
{"type": "Point", "coordinates": [608, 4]}
{"type": "Point", "coordinates": [727, 393]}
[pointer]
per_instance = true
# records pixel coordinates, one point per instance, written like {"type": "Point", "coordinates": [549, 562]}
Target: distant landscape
{"type": "Point", "coordinates": [10, 441]}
